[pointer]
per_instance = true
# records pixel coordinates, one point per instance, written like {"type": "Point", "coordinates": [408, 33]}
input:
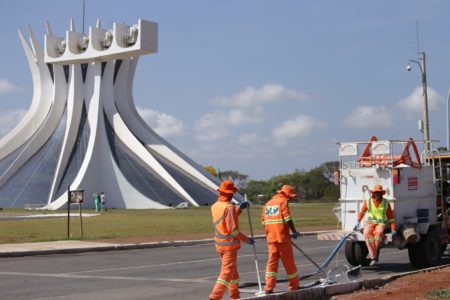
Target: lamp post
{"type": "Point", "coordinates": [448, 120]}
{"type": "Point", "coordinates": [423, 70]}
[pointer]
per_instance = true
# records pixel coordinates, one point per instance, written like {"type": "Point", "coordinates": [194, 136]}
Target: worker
{"type": "Point", "coordinates": [227, 240]}
{"type": "Point", "coordinates": [380, 216]}
{"type": "Point", "coordinates": [277, 221]}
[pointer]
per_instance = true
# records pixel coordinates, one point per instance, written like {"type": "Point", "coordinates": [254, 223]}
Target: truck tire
{"type": "Point", "coordinates": [427, 252]}
{"type": "Point", "coordinates": [443, 248]}
{"type": "Point", "coordinates": [356, 253]}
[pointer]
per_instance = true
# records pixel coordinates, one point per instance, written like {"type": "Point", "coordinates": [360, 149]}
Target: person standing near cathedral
{"type": "Point", "coordinates": [228, 240]}
{"type": "Point", "coordinates": [277, 222]}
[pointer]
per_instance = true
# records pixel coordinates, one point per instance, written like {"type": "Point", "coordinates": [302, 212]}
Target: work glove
{"type": "Point", "coordinates": [394, 233]}
{"type": "Point", "coordinates": [295, 235]}
{"type": "Point", "coordinates": [356, 226]}
{"type": "Point", "coordinates": [243, 205]}
{"type": "Point", "coordinates": [251, 241]}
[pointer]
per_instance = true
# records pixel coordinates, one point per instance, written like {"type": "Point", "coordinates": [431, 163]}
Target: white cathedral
{"type": "Point", "coordinates": [82, 130]}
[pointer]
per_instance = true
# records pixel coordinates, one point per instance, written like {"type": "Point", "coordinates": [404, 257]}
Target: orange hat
{"type": "Point", "coordinates": [227, 187]}
{"type": "Point", "coordinates": [378, 188]}
{"type": "Point", "coordinates": [288, 190]}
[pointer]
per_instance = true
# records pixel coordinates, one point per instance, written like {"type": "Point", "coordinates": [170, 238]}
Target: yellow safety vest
{"type": "Point", "coordinates": [377, 215]}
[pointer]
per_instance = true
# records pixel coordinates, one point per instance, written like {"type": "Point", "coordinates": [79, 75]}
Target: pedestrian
{"type": "Point", "coordinates": [103, 201]}
{"type": "Point", "coordinates": [227, 240]}
{"type": "Point", "coordinates": [277, 221]}
{"type": "Point", "coordinates": [380, 216]}
{"type": "Point", "coordinates": [97, 202]}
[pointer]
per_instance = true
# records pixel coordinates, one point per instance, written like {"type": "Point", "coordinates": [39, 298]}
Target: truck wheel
{"type": "Point", "coordinates": [356, 253]}
{"type": "Point", "coordinates": [443, 248]}
{"type": "Point", "coordinates": [427, 252]}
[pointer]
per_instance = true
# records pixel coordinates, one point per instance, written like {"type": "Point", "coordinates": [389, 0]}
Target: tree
{"type": "Point", "coordinates": [328, 169]}
{"type": "Point", "coordinates": [256, 191]}
{"type": "Point", "coordinates": [211, 170]}
{"type": "Point", "coordinates": [315, 184]}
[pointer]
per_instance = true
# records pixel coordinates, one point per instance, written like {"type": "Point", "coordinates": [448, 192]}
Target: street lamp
{"type": "Point", "coordinates": [448, 120]}
{"type": "Point", "coordinates": [423, 70]}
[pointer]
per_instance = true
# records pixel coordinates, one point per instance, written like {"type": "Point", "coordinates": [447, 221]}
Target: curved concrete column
{"type": "Point", "coordinates": [96, 71]}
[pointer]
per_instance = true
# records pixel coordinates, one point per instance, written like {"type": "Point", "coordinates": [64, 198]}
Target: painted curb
{"type": "Point", "coordinates": [111, 247]}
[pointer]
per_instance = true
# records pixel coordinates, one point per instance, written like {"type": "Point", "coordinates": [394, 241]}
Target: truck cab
{"type": "Point", "coordinates": [416, 187]}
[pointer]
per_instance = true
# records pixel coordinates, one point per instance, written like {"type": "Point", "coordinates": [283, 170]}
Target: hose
{"type": "Point", "coordinates": [318, 270]}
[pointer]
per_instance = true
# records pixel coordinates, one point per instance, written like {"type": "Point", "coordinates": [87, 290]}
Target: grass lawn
{"type": "Point", "coordinates": [121, 223]}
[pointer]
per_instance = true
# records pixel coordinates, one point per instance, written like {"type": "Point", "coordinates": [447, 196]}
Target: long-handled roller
{"type": "Point", "coordinates": [352, 274]}
{"type": "Point", "coordinates": [309, 258]}
{"type": "Point", "coordinates": [254, 247]}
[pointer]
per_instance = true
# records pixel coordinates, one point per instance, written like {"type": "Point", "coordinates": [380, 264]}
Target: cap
{"type": "Point", "coordinates": [288, 190]}
{"type": "Point", "coordinates": [227, 187]}
{"type": "Point", "coordinates": [378, 188]}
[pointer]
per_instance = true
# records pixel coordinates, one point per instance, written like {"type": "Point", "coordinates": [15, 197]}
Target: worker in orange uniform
{"type": "Point", "coordinates": [380, 215]}
{"type": "Point", "coordinates": [228, 240]}
{"type": "Point", "coordinates": [277, 221]}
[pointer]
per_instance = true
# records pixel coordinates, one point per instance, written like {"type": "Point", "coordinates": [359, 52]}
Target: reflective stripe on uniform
{"type": "Point", "coordinates": [223, 236]}
{"type": "Point", "coordinates": [236, 281]}
{"type": "Point", "coordinates": [235, 233]}
{"type": "Point", "coordinates": [376, 221]}
{"type": "Point", "coordinates": [218, 221]}
{"type": "Point", "coordinates": [224, 282]}
{"type": "Point", "coordinates": [278, 221]}
{"type": "Point", "coordinates": [233, 242]}
{"type": "Point", "coordinates": [271, 274]}
{"type": "Point", "coordinates": [292, 275]}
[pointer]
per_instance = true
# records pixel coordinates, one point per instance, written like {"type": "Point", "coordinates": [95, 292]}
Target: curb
{"type": "Point", "coordinates": [112, 247]}
{"type": "Point", "coordinates": [326, 292]}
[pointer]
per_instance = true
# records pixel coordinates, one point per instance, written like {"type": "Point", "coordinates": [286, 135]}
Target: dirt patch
{"type": "Point", "coordinates": [416, 286]}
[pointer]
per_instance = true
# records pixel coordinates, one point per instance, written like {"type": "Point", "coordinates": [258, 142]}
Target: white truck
{"type": "Point", "coordinates": [417, 187]}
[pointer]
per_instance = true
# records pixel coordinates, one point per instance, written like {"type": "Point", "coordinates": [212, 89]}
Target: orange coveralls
{"type": "Point", "coordinates": [374, 233]}
{"type": "Point", "coordinates": [275, 216]}
{"type": "Point", "coordinates": [227, 239]}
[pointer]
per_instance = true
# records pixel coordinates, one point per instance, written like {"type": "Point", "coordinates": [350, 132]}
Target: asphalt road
{"type": "Point", "coordinates": [163, 273]}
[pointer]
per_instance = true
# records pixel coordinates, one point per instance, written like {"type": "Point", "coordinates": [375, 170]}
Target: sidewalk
{"type": "Point", "coordinates": [64, 247]}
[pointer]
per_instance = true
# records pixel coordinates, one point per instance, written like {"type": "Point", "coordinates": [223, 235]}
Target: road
{"type": "Point", "coordinates": [163, 273]}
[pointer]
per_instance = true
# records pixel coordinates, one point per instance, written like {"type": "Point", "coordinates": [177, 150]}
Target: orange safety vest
{"type": "Point", "coordinates": [224, 239]}
{"type": "Point", "coordinates": [275, 216]}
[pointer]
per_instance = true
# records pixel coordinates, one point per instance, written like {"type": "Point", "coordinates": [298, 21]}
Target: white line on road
{"type": "Point", "coordinates": [73, 276]}
{"type": "Point", "coordinates": [151, 266]}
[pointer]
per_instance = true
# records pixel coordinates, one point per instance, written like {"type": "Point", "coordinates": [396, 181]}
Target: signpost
{"type": "Point", "coordinates": [74, 197]}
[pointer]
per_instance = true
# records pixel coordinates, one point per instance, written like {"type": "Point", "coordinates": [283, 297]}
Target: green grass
{"type": "Point", "coordinates": [121, 223]}
{"type": "Point", "coordinates": [439, 294]}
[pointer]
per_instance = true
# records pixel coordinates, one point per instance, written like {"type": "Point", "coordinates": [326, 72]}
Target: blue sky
{"type": "Point", "coordinates": [261, 87]}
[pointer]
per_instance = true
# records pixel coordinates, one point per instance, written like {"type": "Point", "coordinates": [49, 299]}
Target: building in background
{"type": "Point", "coordinates": [82, 130]}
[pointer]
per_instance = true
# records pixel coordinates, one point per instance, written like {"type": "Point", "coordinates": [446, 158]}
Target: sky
{"type": "Point", "coordinates": [257, 86]}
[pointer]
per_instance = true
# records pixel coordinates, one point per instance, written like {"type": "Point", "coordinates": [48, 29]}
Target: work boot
{"type": "Point", "coordinates": [263, 293]}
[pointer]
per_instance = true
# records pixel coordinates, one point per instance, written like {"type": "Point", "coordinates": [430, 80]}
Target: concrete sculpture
{"type": "Point", "coordinates": [83, 131]}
